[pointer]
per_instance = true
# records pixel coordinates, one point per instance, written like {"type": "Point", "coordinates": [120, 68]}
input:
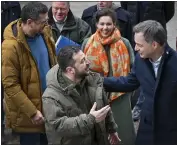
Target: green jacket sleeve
{"type": "Point", "coordinates": [57, 120]}
{"type": "Point", "coordinates": [110, 124]}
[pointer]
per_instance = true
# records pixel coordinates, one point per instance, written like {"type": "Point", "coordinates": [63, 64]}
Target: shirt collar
{"type": "Point", "coordinates": [157, 61]}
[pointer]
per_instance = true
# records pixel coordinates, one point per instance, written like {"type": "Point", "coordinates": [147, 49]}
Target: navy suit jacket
{"type": "Point", "coordinates": [158, 125]}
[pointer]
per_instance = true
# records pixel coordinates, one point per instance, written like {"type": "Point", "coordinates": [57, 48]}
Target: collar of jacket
{"type": "Point", "coordinates": [167, 53]}
{"type": "Point", "coordinates": [20, 36]}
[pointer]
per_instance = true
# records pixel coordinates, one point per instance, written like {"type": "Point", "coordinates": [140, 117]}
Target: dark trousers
{"type": "Point", "coordinates": [33, 139]}
{"type": "Point", "coordinates": [2, 109]}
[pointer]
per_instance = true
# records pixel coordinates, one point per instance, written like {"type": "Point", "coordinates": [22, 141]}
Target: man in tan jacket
{"type": "Point", "coordinates": [28, 52]}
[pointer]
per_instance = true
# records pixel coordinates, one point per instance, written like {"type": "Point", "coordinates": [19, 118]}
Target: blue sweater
{"type": "Point", "coordinates": [40, 54]}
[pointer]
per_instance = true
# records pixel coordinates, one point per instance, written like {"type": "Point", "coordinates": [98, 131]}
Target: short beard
{"type": "Point", "coordinates": [79, 75]}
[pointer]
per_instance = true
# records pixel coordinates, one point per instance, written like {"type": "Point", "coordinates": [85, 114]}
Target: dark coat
{"type": "Point", "coordinates": [153, 10]}
{"type": "Point", "coordinates": [158, 125]}
{"type": "Point", "coordinates": [131, 7]}
{"type": "Point", "coordinates": [123, 21]}
{"type": "Point", "coordinates": [10, 11]}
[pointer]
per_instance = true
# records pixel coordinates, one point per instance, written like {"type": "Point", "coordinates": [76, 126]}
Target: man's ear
{"type": "Point", "coordinates": [70, 70]}
{"type": "Point", "coordinates": [29, 21]}
{"type": "Point", "coordinates": [155, 44]}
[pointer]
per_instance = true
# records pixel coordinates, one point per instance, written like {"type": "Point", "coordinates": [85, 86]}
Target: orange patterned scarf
{"type": "Point", "coordinates": [119, 56]}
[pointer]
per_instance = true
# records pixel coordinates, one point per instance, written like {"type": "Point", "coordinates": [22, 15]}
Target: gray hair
{"type": "Point", "coordinates": [152, 31]}
{"type": "Point", "coordinates": [67, 2]}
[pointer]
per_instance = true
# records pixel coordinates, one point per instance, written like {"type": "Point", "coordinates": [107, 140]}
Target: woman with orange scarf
{"type": "Point", "coordinates": [112, 55]}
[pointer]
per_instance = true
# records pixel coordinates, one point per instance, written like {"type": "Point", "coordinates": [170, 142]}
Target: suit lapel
{"type": "Point", "coordinates": [161, 69]}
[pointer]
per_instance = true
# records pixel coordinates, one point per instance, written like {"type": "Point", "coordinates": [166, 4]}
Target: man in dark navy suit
{"type": "Point", "coordinates": [156, 72]}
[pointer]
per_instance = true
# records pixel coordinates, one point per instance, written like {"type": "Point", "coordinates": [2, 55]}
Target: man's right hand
{"type": "Point", "coordinates": [101, 114]}
{"type": "Point", "coordinates": [38, 118]}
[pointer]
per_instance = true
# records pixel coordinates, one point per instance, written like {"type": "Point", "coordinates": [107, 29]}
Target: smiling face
{"type": "Point", "coordinates": [106, 26]}
{"type": "Point", "coordinates": [60, 10]}
{"type": "Point", "coordinates": [144, 49]}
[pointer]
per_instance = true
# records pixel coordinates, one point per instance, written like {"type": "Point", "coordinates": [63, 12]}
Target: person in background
{"type": "Point", "coordinates": [75, 105]}
{"type": "Point", "coordinates": [10, 11]}
{"type": "Point", "coordinates": [161, 11]}
{"type": "Point", "coordinates": [131, 7]}
{"type": "Point", "coordinates": [64, 23]}
{"type": "Point", "coordinates": [28, 52]}
{"type": "Point", "coordinates": [155, 71]}
{"type": "Point", "coordinates": [112, 55]}
{"type": "Point", "coordinates": [123, 18]}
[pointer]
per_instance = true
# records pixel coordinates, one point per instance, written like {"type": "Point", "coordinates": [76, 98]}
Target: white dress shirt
{"type": "Point", "coordinates": [155, 65]}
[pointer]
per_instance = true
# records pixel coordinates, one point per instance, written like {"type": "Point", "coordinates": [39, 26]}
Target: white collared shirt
{"type": "Point", "coordinates": [156, 65]}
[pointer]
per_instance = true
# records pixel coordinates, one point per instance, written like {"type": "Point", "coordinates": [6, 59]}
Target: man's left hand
{"type": "Point", "coordinates": [114, 139]}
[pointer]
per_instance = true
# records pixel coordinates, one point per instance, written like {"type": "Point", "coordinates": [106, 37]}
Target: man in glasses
{"type": "Point", "coordinates": [28, 52]}
{"type": "Point", "coordinates": [64, 23]}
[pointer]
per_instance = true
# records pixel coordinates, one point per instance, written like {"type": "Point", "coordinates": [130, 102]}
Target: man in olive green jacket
{"type": "Point", "coordinates": [75, 105]}
{"type": "Point", "coordinates": [64, 23]}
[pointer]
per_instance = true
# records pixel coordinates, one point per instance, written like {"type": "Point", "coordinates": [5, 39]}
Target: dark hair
{"type": "Point", "coordinates": [152, 31]}
{"type": "Point", "coordinates": [32, 10]}
{"type": "Point", "coordinates": [65, 56]}
{"type": "Point", "coordinates": [105, 12]}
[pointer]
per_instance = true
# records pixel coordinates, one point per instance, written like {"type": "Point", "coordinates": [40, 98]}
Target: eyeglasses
{"type": "Point", "coordinates": [61, 9]}
{"type": "Point", "coordinates": [42, 22]}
